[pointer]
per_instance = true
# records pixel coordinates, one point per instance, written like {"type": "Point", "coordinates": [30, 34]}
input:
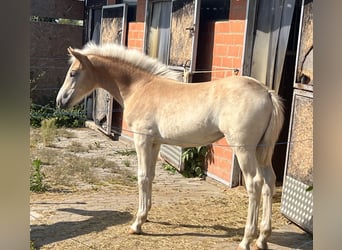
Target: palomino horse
{"type": "Point", "coordinates": [161, 110]}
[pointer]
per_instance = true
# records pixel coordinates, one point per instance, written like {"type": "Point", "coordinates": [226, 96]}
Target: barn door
{"type": "Point", "coordinates": [184, 33]}
{"type": "Point", "coordinates": [172, 32]}
{"type": "Point", "coordinates": [113, 30]}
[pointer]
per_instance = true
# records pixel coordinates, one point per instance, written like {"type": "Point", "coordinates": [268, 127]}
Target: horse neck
{"type": "Point", "coordinates": [119, 78]}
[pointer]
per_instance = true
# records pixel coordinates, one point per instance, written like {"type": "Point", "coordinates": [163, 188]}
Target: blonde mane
{"type": "Point", "coordinates": [130, 56]}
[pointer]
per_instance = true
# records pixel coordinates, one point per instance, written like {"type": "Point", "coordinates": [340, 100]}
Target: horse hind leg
{"type": "Point", "coordinates": [254, 181]}
{"type": "Point", "coordinates": [267, 193]}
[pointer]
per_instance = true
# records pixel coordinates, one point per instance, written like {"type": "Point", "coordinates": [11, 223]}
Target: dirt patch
{"type": "Point", "coordinates": [92, 199]}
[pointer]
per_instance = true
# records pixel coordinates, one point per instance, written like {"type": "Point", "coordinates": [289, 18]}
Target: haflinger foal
{"type": "Point", "coordinates": [161, 110]}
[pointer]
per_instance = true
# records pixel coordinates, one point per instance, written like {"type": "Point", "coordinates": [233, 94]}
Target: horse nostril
{"type": "Point", "coordinates": [58, 103]}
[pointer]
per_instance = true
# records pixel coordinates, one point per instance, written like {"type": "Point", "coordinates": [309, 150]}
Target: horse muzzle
{"type": "Point", "coordinates": [63, 99]}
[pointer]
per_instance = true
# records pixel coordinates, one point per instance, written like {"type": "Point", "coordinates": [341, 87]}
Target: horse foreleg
{"type": "Point", "coordinates": [267, 192]}
{"type": "Point", "coordinates": [154, 157]}
{"type": "Point", "coordinates": [249, 166]}
{"type": "Point", "coordinates": [145, 176]}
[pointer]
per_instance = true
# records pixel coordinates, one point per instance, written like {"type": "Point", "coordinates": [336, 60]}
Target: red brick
{"type": "Point", "coordinates": [219, 38]}
{"type": "Point", "coordinates": [229, 39]}
{"type": "Point", "coordinates": [129, 44]}
{"type": "Point", "coordinates": [140, 35]}
{"type": "Point", "coordinates": [140, 45]}
{"type": "Point", "coordinates": [217, 61]}
{"type": "Point", "coordinates": [222, 141]}
{"type": "Point", "coordinates": [131, 26]}
{"type": "Point", "coordinates": [220, 150]}
{"type": "Point", "coordinates": [236, 62]}
{"type": "Point", "coordinates": [131, 34]}
{"type": "Point", "coordinates": [219, 75]}
{"type": "Point", "coordinates": [220, 50]}
{"type": "Point", "coordinates": [221, 27]}
{"type": "Point", "coordinates": [238, 39]}
{"type": "Point", "coordinates": [236, 27]}
{"type": "Point", "coordinates": [227, 62]}
{"type": "Point", "coordinates": [234, 51]}
{"type": "Point", "coordinates": [140, 26]}
{"type": "Point", "coordinates": [240, 51]}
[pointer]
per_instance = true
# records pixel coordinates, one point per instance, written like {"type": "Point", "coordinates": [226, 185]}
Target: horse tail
{"type": "Point", "coordinates": [267, 143]}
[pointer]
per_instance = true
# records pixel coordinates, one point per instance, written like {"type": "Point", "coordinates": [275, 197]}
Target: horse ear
{"type": "Point", "coordinates": [70, 50]}
{"type": "Point", "coordinates": [84, 60]}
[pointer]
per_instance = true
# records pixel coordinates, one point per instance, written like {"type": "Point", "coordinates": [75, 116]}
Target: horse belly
{"type": "Point", "coordinates": [188, 135]}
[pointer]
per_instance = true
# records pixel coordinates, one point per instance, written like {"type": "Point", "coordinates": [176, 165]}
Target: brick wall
{"type": "Point", "coordinates": [135, 39]}
{"type": "Point", "coordinates": [227, 53]}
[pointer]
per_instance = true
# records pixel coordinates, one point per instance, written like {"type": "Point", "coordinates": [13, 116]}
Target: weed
{"type": "Point", "coordinates": [169, 168]}
{"type": "Point", "coordinates": [95, 145]}
{"type": "Point", "coordinates": [126, 152]}
{"type": "Point", "coordinates": [77, 147]}
{"type": "Point", "coordinates": [36, 177]}
{"type": "Point", "coordinates": [101, 162]}
{"type": "Point", "coordinates": [35, 137]}
{"type": "Point", "coordinates": [32, 245]}
{"type": "Point", "coordinates": [127, 163]}
{"type": "Point", "coordinates": [132, 178]}
{"type": "Point", "coordinates": [62, 132]}
{"type": "Point", "coordinates": [48, 131]}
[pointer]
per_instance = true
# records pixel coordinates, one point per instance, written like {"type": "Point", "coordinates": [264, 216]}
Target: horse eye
{"type": "Point", "coordinates": [73, 73]}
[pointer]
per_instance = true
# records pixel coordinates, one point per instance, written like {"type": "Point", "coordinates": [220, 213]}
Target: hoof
{"type": "Point", "coordinates": [256, 247]}
{"type": "Point", "coordinates": [131, 231]}
{"type": "Point", "coordinates": [240, 248]}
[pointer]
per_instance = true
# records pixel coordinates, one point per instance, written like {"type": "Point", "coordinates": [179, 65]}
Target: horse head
{"type": "Point", "coordinates": [79, 80]}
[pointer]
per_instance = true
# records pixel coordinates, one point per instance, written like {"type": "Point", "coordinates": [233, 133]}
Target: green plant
{"type": "Point", "coordinates": [72, 118]}
{"type": "Point", "coordinates": [37, 177]}
{"type": "Point", "coordinates": [169, 168]}
{"type": "Point", "coordinates": [77, 147]}
{"type": "Point", "coordinates": [97, 144]}
{"type": "Point", "coordinates": [194, 159]}
{"type": "Point", "coordinates": [48, 131]}
{"type": "Point", "coordinates": [127, 163]}
{"type": "Point", "coordinates": [32, 245]}
{"type": "Point", "coordinates": [126, 152]}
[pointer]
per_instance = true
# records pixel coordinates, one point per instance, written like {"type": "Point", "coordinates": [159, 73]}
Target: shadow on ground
{"type": "Point", "coordinates": [292, 240]}
{"type": "Point", "coordinates": [99, 220]}
{"type": "Point", "coordinates": [227, 232]}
